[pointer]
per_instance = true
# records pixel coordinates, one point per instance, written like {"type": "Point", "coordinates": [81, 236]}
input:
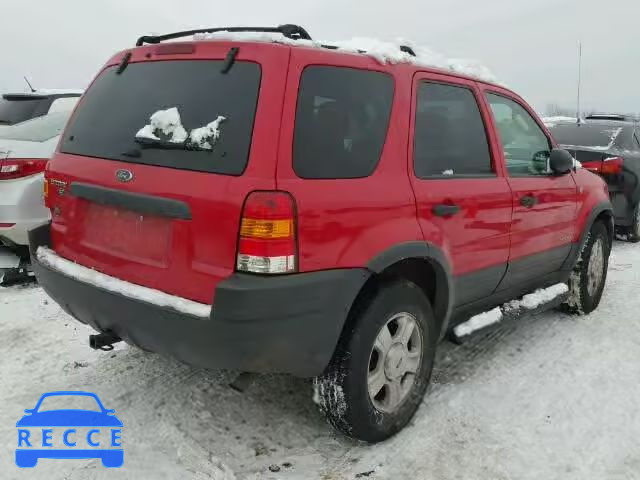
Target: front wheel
{"type": "Point", "coordinates": [382, 365]}
{"type": "Point", "coordinates": [589, 276]}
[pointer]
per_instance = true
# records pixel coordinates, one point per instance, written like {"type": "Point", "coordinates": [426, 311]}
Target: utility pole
{"type": "Point", "coordinates": [578, 113]}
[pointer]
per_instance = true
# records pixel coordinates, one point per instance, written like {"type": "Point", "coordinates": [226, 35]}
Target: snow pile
{"type": "Point", "coordinates": [206, 137]}
{"type": "Point", "coordinates": [168, 124]}
{"type": "Point", "coordinates": [530, 301]}
{"type": "Point", "coordinates": [447, 172]}
{"type": "Point", "coordinates": [50, 259]}
{"type": "Point", "coordinates": [537, 298]}
{"type": "Point", "coordinates": [381, 51]}
{"type": "Point", "coordinates": [552, 121]}
{"type": "Point", "coordinates": [478, 322]}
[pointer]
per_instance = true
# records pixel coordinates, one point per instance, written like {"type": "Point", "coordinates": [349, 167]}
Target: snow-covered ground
{"type": "Point", "coordinates": [552, 397]}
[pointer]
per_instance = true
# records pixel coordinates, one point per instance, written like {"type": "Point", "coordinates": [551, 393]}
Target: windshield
{"type": "Point", "coordinates": [597, 135]}
{"type": "Point", "coordinates": [37, 129]}
{"type": "Point", "coordinates": [16, 109]}
{"type": "Point", "coordinates": [69, 402]}
{"type": "Point", "coordinates": [178, 114]}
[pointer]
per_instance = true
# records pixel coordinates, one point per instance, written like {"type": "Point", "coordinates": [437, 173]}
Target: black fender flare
{"type": "Point", "coordinates": [444, 288]}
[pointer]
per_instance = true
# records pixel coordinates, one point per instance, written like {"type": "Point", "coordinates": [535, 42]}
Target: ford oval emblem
{"type": "Point", "coordinates": [124, 176]}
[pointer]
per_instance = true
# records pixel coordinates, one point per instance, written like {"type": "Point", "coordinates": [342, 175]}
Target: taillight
{"type": "Point", "coordinates": [612, 166]}
{"type": "Point", "coordinates": [12, 168]}
{"type": "Point", "coordinates": [267, 240]}
{"type": "Point", "coordinates": [595, 167]}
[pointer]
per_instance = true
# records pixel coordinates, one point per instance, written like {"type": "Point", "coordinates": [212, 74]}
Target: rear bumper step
{"type": "Point", "coordinates": [288, 324]}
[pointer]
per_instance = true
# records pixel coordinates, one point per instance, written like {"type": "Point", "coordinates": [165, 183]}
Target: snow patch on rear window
{"type": "Point", "coordinates": [383, 52]}
{"type": "Point", "coordinates": [50, 259]}
{"type": "Point", "coordinates": [207, 136]}
{"type": "Point", "coordinates": [166, 126]}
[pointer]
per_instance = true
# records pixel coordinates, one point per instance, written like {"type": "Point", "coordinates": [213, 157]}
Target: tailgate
{"type": "Point", "coordinates": [148, 187]}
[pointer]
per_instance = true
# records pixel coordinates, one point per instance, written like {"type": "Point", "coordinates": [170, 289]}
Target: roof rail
{"type": "Point", "coordinates": [294, 32]}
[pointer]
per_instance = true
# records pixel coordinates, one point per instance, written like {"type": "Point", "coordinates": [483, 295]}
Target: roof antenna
{"type": "Point", "coordinates": [578, 113]}
{"type": "Point", "coordinates": [33, 90]}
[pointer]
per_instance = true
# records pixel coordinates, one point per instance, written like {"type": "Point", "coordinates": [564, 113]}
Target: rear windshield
{"type": "Point", "coordinates": [16, 110]}
{"type": "Point", "coordinates": [37, 129]}
{"type": "Point", "coordinates": [586, 135]}
{"type": "Point", "coordinates": [341, 122]}
{"type": "Point", "coordinates": [177, 114]}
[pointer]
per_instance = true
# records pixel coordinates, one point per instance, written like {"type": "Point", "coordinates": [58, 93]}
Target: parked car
{"type": "Point", "coordinates": [281, 208]}
{"type": "Point", "coordinates": [609, 145]}
{"type": "Point", "coordinates": [19, 107]}
{"type": "Point", "coordinates": [25, 149]}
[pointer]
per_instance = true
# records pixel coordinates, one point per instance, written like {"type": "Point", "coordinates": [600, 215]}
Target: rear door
{"type": "Point", "coordinates": [462, 196]}
{"type": "Point", "coordinates": [544, 204]}
{"type": "Point", "coordinates": [158, 159]}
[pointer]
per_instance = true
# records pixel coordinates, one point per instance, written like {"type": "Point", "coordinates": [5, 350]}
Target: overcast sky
{"type": "Point", "coordinates": [531, 45]}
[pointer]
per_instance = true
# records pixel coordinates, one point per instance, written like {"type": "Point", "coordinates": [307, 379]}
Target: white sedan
{"type": "Point", "coordinates": [25, 149]}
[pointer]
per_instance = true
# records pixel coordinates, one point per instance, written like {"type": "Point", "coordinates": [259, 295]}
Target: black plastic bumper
{"type": "Point", "coordinates": [289, 324]}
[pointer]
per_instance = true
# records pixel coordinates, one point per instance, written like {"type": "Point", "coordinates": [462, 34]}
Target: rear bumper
{"type": "Point", "coordinates": [289, 324]}
{"type": "Point", "coordinates": [22, 205]}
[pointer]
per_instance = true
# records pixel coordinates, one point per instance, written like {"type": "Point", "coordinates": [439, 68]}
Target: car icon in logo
{"type": "Point", "coordinates": [124, 175]}
{"type": "Point", "coordinates": [64, 428]}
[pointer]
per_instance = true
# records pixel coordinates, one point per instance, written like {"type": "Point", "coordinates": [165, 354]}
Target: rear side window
{"type": "Point", "coordinates": [37, 129]}
{"type": "Point", "coordinates": [16, 110]}
{"type": "Point", "coordinates": [341, 122]}
{"type": "Point", "coordinates": [186, 100]}
{"type": "Point", "coordinates": [450, 137]}
{"type": "Point", "coordinates": [594, 135]}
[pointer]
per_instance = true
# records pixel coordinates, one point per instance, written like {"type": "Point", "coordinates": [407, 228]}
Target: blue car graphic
{"type": "Point", "coordinates": [28, 457]}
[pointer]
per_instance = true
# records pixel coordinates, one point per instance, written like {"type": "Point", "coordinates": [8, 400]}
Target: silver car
{"type": "Point", "coordinates": [24, 151]}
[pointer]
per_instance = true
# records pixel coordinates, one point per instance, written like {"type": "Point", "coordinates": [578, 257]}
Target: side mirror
{"type": "Point", "coordinates": [560, 161]}
{"type": "Point", "coordinates": [28, 410]}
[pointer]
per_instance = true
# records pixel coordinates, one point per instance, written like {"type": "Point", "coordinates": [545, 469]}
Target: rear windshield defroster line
{"type": "Point", "coordinates": [116, 107]}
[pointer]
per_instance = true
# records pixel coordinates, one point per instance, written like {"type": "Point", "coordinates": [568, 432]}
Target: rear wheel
{"type": "Point", "coordinates": [589, 276]}
{"type": "Point", "coordinates": [381, 368]}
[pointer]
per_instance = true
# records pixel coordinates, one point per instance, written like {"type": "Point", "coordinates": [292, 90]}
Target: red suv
{"type": "Point", "coordinates": [289, 207]}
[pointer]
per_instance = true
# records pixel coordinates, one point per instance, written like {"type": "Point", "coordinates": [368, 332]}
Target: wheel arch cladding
{"type": "Point", "coordinates": [603, 212]}
{"type": "Point", "coordinates": [421, 263]}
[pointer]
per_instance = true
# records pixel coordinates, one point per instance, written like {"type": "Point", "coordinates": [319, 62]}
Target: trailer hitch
{"type": "Point", "coordinates": [103, 341]}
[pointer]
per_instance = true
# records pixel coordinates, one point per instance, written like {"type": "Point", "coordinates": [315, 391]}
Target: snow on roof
{"type": "Point", "coordinates": [58, 91]}
{"type": "Point", "coordinates": [552, 121]}
{"type": "Point", "coordinates": [41, 92]}
{"type": "Point", "coordinates": [381, 51]}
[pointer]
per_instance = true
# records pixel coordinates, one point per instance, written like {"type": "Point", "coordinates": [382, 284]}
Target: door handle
{"type": "Point", "coordinates": [445, 210]}
{"type": "Point", "coordinates": [528, 201]}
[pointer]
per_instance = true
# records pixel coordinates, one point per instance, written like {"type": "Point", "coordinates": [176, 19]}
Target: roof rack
{"type": "Point", "coordinates": [294, 32]}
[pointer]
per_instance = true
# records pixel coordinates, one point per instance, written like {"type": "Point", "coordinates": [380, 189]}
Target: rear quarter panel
{"type": "Point", "coordinates": [347, 222]}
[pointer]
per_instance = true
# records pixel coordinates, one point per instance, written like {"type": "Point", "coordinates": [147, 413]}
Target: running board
{"type": "Point", "coordinates": [510, 312]}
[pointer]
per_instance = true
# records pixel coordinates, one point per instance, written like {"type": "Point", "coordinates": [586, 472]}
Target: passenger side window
{"type": "Point", "coordinates": [450, 136]}
{"type": "Point", "coordinates": [341, 122]}
{"type": "Point", "coordinates": [525, 145]}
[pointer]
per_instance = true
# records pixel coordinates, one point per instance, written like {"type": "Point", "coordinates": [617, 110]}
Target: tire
{"type": "Point", "coordinates": [589, 276]}
{"type": "Point", "coordinates": [365, 352]}
{"type": "Point", "coordinates": [633, 233]}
